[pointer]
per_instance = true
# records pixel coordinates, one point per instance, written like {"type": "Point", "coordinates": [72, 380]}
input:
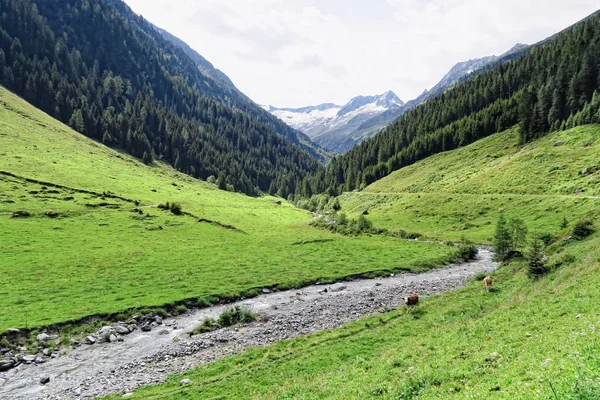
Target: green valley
{"type": "Point", "coordinates": [165, 236]}
{"type": "Point", "coordinates": [525, 339]}
{"type": "Point", "coordinates": [105, 255]}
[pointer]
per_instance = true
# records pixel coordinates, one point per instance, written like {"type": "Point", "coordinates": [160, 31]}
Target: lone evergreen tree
{"type": "Point", "coordinates": [536, 266]}
{"type": "Point", "coordinates": [502, 238]}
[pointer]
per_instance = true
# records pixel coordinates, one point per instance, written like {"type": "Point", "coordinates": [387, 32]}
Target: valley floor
{"type": "Point", "coordinates": [144, 358]}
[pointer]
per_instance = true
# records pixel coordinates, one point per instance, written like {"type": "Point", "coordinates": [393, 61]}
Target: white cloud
{"type": "Point", "coordinates": [301, 52]}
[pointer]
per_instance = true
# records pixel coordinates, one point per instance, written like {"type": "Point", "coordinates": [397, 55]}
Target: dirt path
{"type": "Point", "coordinates": [148, 357]}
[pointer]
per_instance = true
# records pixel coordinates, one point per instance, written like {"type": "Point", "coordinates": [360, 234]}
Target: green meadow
{"type": "Point", "coordinates": [523, 340]}
{"type": "Point", "coordinates": [110, 248]}
{"type": "Point", "coordinates": [458, 194]}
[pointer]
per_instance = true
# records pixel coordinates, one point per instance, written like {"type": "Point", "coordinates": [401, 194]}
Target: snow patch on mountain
{"type": "Point", "coordinates": [316, 121]}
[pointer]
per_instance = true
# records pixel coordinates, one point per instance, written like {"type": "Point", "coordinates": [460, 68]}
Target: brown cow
{"type": "Point", "coordinates": [487, 283]}
{"type": "Point", "coordinates": [412, 300]}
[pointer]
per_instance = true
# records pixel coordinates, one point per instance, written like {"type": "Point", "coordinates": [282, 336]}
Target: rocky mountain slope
{"type": "Point", "coordinates": [332, 126]}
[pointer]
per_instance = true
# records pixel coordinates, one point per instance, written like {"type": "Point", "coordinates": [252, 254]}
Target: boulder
{"type": "Point", "coordinates": [112, 339]}
{"type": "Point", "coordinates": [13, 331]}
{"type": "Point", "coordinates": [557, 144]}
{"type": "Point", "coordinates": [39, 360]}
{"type": "Point", "coordinates": [106, 330]}
{"type": "Point", "coordinates": [121, 329]}
{"type": "Point", "coordinates": [21, 214]}
{"type": "Point", "coordinates": [338, 287]}
{"type": "Point", "coordinates": [146, 328]}
{"type": "Point", "coordinates": [46, 352]}
{"type": "Point", "coordinates": [185, 382]}
{"type": "Point", "coordinates": [43, 337]}
{"type": "Point", "coordinates": [29, 358]}
{"type": "Point", "coordinates": [158, 319]}
{"type": "Point", "coordinates": [5, 365]}
{"type": "Point", "coordinates": [89, 340]}
{"type": "Point", "coordinates": [44, 380]}
{"type": "Point", "coordinates": [267, 291]}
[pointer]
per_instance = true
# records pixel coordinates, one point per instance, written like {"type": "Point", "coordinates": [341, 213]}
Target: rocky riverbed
{"type": "Point", "coordinates": [123, 362]}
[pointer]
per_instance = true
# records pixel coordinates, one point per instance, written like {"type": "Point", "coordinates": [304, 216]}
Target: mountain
{"type": "Point", "coordinates": [333, 126]}
{"type": "Point", "coordinates": [238, 99]}
{"type": "Point", "coordinates": [458, 73]}
{"type": "Point", "coordinates": [111, 75]}
{"type": "Point", "coordinates": [204, 65]}
{"type": "Point", "coordinates": [552, 88]}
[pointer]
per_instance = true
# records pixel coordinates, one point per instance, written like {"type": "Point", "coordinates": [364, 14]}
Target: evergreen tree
{"type": "Point", "coordinates": [222, 181]}
{"type": "Point", "coordinates": [76, 121]}
{"type": "Point", "coordinates": [536, 265]}
{"type": "Point", "coordinates": [518, 233]}
{"type": "Point", "coordinates": [502, 239]}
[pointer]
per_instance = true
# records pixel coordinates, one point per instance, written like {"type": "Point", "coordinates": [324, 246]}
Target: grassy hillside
{"type": "Point", "coordinates": [526, 339]}
{"type": "Point", "coordinates": [459, 193]}
{"type": "Point", "coordinates": [105, 253]}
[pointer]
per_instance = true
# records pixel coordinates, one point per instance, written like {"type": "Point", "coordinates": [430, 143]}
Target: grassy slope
{"type": "Point", "coordinates": [108, 259]}
{"type": "Point", "coordinates": [524, 340]}
{"type": "Point", "coordinates": [459, 193]}
{"type": "Point", "coordinates": [520, 341]}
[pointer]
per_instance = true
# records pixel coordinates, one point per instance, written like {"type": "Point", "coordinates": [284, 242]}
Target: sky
{"type": "Point", "coordinates": [295, 53]}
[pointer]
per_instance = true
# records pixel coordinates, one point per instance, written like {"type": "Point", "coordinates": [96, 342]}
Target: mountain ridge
{"type": "Point", "coordinates": [329, 124]}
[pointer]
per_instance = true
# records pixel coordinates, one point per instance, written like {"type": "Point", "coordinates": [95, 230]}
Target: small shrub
{"type": "Point", "coordinates": [547, 238]}
{"type": "Point", "coordinates": [466, 252]}
{"type": "Point", "coordinates": [180, 309]}
{"type": "Point", "coordinates": [208, 325]}
{"type": "Point", "coordinates": [364, 224]}
{"type": "Point", "coordinates": [583, 229]}
{"type": "Point", "coordinates": [564, 224]}
{"type": "Point", "coordinates": [176, 209]}
{"type": "Point", "coordinates": [162, 313]}
{"type": "Point", "coordinates": [236, 315]}
{"type": "Point", "coordinates": [4, 343]}
{"type": "Point", "coordinates": [163, 206]}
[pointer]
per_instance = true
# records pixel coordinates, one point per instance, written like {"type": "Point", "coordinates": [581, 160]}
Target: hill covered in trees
{"type": "Point", "coordinates": [553, 87]}
{"type": "Point", "coordinates": [112, 76]}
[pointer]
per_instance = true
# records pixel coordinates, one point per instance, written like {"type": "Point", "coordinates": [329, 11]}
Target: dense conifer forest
{"type": "Point", "coordinates": [111, 75]}
{"type": "Point", "coordinates": [553, 87]}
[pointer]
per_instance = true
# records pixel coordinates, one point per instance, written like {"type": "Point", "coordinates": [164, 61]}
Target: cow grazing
{"type": "Point", "coordinates": [487, 283]}
{"type": "Point", "coordinates": [412, 300]}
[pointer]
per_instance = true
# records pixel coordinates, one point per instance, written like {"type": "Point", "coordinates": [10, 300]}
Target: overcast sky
{"type": "Point", "coordinates": [293, 53]}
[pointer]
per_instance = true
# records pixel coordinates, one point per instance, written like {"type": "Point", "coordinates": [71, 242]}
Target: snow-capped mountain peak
{"type": "Point", "coordinates": [318, 120]}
